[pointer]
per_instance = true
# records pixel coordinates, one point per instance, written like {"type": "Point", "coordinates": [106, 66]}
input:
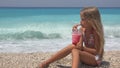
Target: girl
{"type": "Point", "coordinates": [90, 48]}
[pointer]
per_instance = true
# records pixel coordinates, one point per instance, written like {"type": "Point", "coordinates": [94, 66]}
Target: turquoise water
{"type": "Point", "coordinates": [48, 24]}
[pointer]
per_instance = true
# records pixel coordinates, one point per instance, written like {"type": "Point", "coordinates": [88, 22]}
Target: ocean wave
{"type": "Point", "coordinates": [29, 35]}
{"type": "Point", "coordinates": [112, 31]}
{"type": "Point", "coordinates": [39, 32]}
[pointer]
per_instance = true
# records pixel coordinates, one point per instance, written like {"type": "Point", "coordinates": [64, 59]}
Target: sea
{"type": "Point", "coordinates": [28, 30]}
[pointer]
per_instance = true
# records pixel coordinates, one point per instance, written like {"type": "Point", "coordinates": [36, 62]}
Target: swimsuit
{"type": "Point", "coordinates": [90, 43]}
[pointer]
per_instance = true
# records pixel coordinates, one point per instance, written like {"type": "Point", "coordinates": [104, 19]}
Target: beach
{"type": "Point", "coordinates": [48, 30]}
{"type": "Point", "coordinates": [32, 60]}
{"type": "Point", "coordinates": [30, 36]}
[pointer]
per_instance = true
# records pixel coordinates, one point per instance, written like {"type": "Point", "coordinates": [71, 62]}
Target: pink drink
{"type": "Point", "coordinates": [75, 37]}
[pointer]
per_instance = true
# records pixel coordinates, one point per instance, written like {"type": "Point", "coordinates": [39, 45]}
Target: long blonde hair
{"type": "Point", "coordinates": [93, 18]}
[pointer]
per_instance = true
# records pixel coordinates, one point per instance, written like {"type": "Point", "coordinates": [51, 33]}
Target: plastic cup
{"type": "Point", "coordinates": [75, 37]}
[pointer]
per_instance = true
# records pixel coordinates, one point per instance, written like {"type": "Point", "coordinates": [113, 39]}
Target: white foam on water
{"type": "Point", "coordinates": [48, 45]}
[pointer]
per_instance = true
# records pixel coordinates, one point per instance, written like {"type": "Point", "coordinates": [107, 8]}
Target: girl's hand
{"type": "Point", "coordinates": [75, 26]}
{"type": "Point", "coordinates": [79, 46]}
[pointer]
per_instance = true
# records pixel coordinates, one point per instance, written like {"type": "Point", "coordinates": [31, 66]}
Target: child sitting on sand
{"type": "Point", "coordinates": [92, 51]}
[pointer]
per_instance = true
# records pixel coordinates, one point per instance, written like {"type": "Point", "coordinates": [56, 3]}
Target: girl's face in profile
{"type": "Point", "coordinates": [83, 22]}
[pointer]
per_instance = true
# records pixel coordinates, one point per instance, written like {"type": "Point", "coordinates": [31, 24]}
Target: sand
{"type": "Point", "coordinates": [31, 60]}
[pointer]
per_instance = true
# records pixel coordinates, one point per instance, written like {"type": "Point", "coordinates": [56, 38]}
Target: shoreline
{"type": "Point", "coordinates": [111, 59]}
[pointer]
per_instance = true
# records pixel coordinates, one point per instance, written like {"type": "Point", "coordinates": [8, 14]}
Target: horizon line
{"type": "Point", "coordinates": [57, 7]}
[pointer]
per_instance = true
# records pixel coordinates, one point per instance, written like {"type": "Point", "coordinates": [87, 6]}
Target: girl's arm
{"type": "Point", "coordinates": [90, 50]}
{"type": "Point", "coordinates": [80, 43]}
{"type": "Point", "coordinates": [96, 49]}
